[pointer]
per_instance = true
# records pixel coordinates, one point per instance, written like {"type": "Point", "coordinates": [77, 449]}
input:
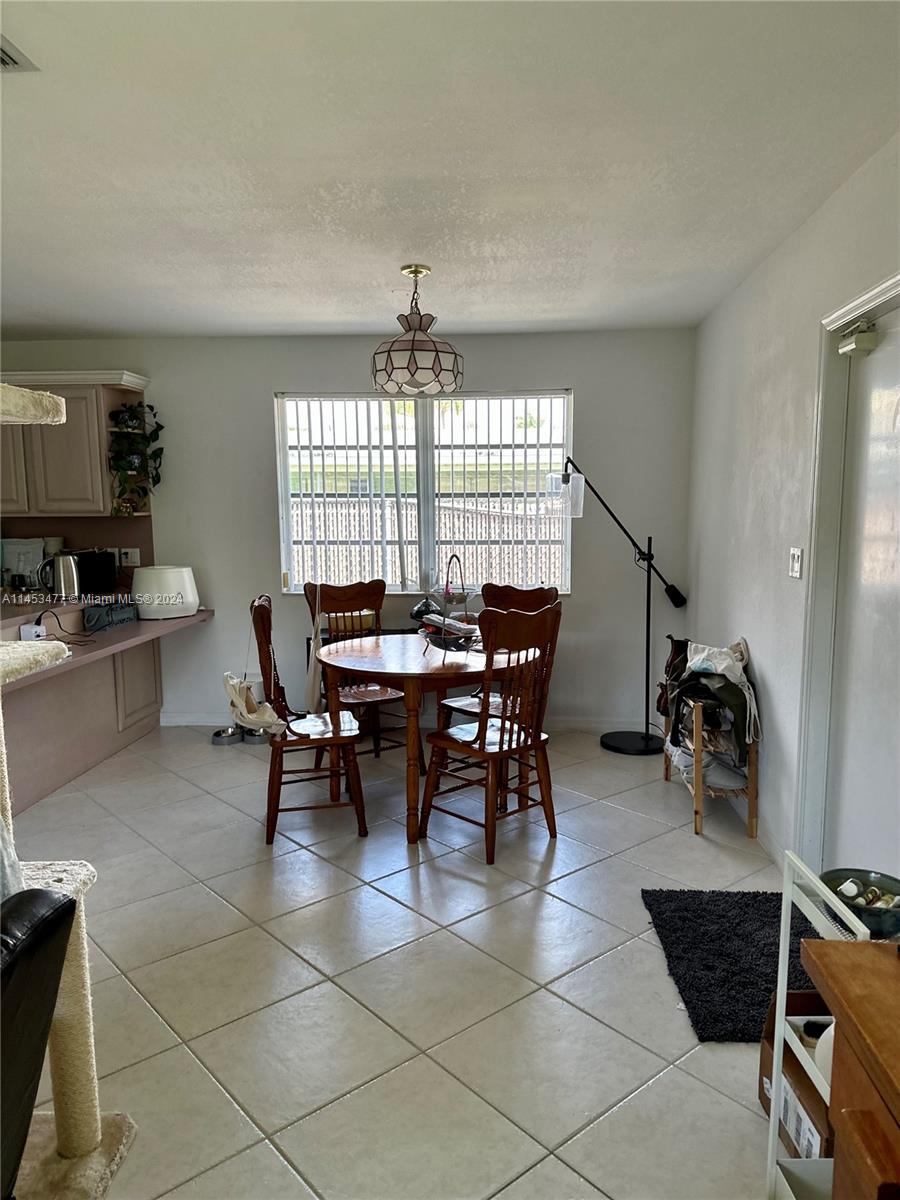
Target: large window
{"type": "Point", "coordinates": [371, 486]}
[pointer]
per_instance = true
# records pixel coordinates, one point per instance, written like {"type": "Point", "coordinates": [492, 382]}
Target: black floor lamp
{"type": "Point", "coordinates": [571, 493]}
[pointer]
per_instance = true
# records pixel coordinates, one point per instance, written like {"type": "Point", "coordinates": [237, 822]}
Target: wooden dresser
{"type": "Point", "coordinates": [860, 982]}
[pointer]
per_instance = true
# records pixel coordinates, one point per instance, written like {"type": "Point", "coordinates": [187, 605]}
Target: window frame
{"type": "Point", "coordinates": [425, 474]}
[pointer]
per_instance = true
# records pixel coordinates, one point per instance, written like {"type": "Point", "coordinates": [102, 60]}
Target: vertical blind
{"type": "Point", "coordinates": [378, 487]}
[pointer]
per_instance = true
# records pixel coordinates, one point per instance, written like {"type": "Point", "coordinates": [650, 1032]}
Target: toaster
{"type": "Point", "coordinates": [164, 592]}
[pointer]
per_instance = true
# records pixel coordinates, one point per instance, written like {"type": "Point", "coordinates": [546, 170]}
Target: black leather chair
{"type": "Point", "coordinates": [34, 934]}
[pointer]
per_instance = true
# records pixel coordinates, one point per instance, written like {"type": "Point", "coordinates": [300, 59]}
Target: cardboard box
{"type": "Point", "coordinates": [805, 1128]}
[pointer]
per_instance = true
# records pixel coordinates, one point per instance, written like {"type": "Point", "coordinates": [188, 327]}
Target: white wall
{"type": "Point", "coordinates": [751, 487]}
{"type": "Point", "coordinates": [216, 508]}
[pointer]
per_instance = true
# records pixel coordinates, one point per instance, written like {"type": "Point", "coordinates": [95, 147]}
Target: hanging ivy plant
{"type": "Point", "coordinates": [134, 456]}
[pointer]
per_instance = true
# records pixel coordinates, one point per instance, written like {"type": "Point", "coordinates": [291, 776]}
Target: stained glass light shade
{"type": "Point", "coordinates": [416, 363]}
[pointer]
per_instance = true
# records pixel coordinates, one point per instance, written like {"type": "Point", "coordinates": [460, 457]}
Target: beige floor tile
{"type": "Point", "coordinates": [250, 798]}
{"type": "Point", "coordinates": [547, 1066]}
{"type": "Point", "coordinates": [704, 1146]}
{"type": "Point", "coordinates": [134, 877]}
{"type": "Point", "coordinates": [451, 831]}
{"type": "Point", "coordinates": [769, 879]}
{"type": "Point", "coordinates": [730, 1067]}
{"type": "Point", "coordinates": [309, 827]}
{"type": "Point", "coordinates": [67, 789]}
{"type": "Point", "coordinates": [98, 843]}
{"type": "Point", "coordinates": [231, 769]}
{"type": "Point", "coordinates": [150, 792]}
{"type": "Point", "coordinates": [526, 850]}
{"type": "Point", "coordinates": [412, 1134]}
{"type": "Point", "coordinates": [169, 826]}
{"type": "Point", "coordinates": [576, 745]}
{"type": "Point", "coordinates": [669, 802]}
{"type": "Point", "coordinates": [631, 990]}
{"type": "Point", "coordinates": [435, 987]}
{"type": "Point", "coordinates": [550, 1180]}
{"type": "Point", "coordinates": [259, 1173]}
{"type": "Point", "coordinates": [539, 936]}
{"type": "Point", "coordinates": [346, 930]}
{"type": "Point", "coordinates": [383, 852]}
{"type": "Point", "coordinates": [186, 1123]}
{"type": "Point", "coordinates": [66, 811]}
{"type": "Point", "coordinates": [185, 755]}
{"type": "Point", "coordinates": [200, 989]}
{"type": "Point", "coordinates": [100, 966]}
{"type": "Point", "coordinates": [564, 799]}
{"type": "Point", "coordinates": [119, 768]}
{"type": "Point", "coordinates": [598, 778]}
{"type": "Point", "coordinates": [168, 736]}
{"type": "Point", "coordinates": [696, 861]}
{"type": "Point", "coordinates": [611, 889]}
{"type": "Point", "coordinates": [268, 889]}
{"type": "Point", "coordinates": [218, 851]}
{"type": "Point", "coordinates": [451, 887]}
{"type": "Point", "coordinates": [723, 825]}
{"type": "Point", "coordinates": [126, 1029]}
{"type": "Point", "coordinates": [148, 930]}
{"type": "Point", "coordinates": [293, 1057]}
{"type": "Point", "coordinates": [612, 829]}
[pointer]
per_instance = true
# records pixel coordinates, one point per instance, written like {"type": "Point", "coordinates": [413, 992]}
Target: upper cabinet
{"type": "Point", "coordinates": [50, 470]}
{"type": "Point", "coordinates": [13, 488]}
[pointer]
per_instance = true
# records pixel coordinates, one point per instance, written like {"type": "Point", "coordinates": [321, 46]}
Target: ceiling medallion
{"type": "Point", "coordinates": [414, 363]}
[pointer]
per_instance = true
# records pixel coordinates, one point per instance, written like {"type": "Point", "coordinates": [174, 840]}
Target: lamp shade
{"type": "Point", "coordinates": [565, 493]}
{"type": "Point", "coordinates": [415, 363]}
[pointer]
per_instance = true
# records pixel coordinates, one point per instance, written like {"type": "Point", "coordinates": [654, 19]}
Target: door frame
{"type": "Point", "coordinates": [820, 613]}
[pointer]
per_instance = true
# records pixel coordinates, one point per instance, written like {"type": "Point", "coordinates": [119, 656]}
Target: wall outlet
{"type": "Point", "coordinates": [795, 563]}
{"type": "Point", "coordinates": [114, 551]}
{"type": "Point", "coordinates": [32, 633]}
{"type": "Point", "coordinates": [130, 556]}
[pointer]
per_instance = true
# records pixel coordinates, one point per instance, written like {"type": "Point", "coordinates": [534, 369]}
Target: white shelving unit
{"type": "Point", "coordinates": [802, 1178]}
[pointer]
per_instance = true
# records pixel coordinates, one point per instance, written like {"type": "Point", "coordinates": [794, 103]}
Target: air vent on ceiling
{"type": "Point", "coordinates": [12, 58]}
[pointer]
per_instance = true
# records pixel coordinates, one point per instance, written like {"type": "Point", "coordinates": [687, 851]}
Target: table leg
{"type": "Point", "coordinates": [411, 698]}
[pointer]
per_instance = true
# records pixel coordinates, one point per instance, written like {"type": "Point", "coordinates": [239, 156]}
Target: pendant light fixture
{"type": "Point", "coordinates": [415, 363]}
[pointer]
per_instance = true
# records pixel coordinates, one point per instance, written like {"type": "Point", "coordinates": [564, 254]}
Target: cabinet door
{"type": "Point", "coordinates": [13, 492]}
{"type": "Point", "coordinates": [138, 684]}
{"type": "Point", "coordinates": [66, 464]}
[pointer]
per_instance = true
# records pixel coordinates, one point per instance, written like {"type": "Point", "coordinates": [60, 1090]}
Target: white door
{"type": "Point", "coordinates": [862, 804]}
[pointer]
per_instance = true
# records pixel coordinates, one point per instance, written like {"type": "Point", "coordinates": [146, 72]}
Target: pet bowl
{"type": "Point", "coordinates": [883, 922]}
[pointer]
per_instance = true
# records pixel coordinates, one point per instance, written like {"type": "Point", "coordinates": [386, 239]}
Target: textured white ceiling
{"type": "Point", "coordinates": [181, 168]}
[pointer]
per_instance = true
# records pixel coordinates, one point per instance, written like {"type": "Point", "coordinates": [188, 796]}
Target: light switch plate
{"type": "Point", "coordinates": [130, 556]}
{"type": "Point", "coordinates": [795, 563]}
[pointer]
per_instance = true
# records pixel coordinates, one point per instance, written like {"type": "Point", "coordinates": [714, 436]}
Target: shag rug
{"type": "Point", "coordinates": [43, 1174]}
{"type": "Point", "coordinates": [721, 949]}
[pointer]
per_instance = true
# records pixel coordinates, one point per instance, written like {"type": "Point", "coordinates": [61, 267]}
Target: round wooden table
{"type": "Point", "coordinates": [407, 662]}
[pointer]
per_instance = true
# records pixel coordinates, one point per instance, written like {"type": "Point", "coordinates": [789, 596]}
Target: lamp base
{"type": "Point", "coordinates": [629, 742]}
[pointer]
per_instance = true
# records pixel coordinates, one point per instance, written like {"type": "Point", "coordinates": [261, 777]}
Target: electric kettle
{"type": "Point", "coordinates": [64, 570]}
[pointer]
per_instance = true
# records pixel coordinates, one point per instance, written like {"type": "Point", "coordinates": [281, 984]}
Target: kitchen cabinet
{"type": "Point", "coordinates": [13, 488]}
{"type": "Point", "coordinates": [56, 470]}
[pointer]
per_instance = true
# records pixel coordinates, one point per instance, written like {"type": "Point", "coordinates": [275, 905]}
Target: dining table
{"type": "Point", "coordinates": [410, 664]}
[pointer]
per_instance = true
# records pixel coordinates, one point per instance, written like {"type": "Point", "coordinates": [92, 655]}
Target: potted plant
{"type": "Point", "coordinates": [134, 457]}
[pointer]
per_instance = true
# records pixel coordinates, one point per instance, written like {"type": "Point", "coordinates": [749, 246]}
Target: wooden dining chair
{"type": "Point", "coordinates": [353, 610]}
{"type": "Point", "coordinates": [519, 650]}
{"type": "Point", "coordinates": [503, 596]}
{"type": "Point", "coordinates": [333, 732]}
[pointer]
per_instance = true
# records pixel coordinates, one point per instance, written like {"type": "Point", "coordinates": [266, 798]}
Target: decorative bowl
{"type": "Point", "coordinates": [883, 922]}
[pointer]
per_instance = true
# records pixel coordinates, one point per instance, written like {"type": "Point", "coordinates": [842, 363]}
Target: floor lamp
{"type": "Point", "coordinates": [567, 489]}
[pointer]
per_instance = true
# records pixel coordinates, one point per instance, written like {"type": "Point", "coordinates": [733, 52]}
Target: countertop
{"type": "Point", "coordinates": [112, 641]}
